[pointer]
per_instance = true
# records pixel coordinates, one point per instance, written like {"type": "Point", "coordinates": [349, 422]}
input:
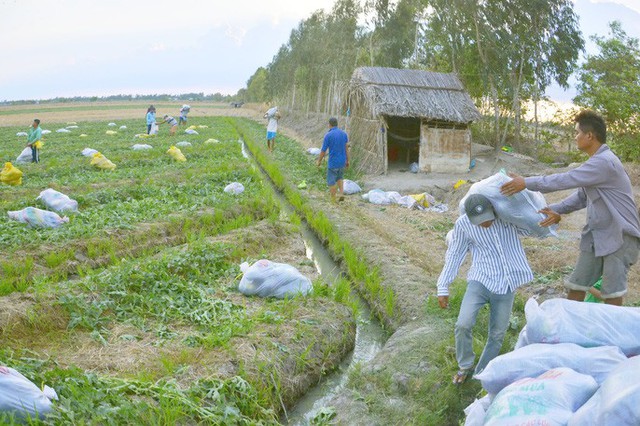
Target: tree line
{"type": "Point", "coordinates": [506, 52]}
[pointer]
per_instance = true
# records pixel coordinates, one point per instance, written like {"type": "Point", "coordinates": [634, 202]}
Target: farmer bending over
{"type": "Point", "coordinates": [499, 266]}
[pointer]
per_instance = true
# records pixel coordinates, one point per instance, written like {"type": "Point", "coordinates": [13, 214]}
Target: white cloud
{"type": "Point", "coordinates": [236, 34]}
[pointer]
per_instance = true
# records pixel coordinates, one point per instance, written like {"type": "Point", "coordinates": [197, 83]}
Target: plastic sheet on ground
{"type": "Point", "coordinates": [37, 218]}
{"type": "Point", "coordinates": [270, 279]}
{"type": "Point", "coordinates": [22, 398]}
{"type": "Point", "coordinates": [183, 143]}
{"type": "Point", "coordinates": [88, 152]}
{"type": "Point", "coordinates": [22, 134]}
{"type": "Point", "coordinates": [11, 175]}
{"type": "Point", "coordinates": [350, 187]}
{"type": "Point", "coordinates": [585, 324]}
{"type": "Point", "coordinates": [535, 359]}
{"type": "Point", "coordinates": [549, 399]}
{"type": "Point", "coordinates": [520, 209]}
{"type": "Point", "coordinates": [101, 162]}
{"type": "Point", "coordinates": [234, 188]}
{"type": "Point", "coordinates": [176, 154]}
{"type": "Point", "coordinates": [191, 132]}
{"type": "Point", "coordinates": [141, 147]}
{"type": "Point", "coordinates": [63, 131]}
{"type": "Point", "coordinates": [378, 196]}
{"type": "Point", "coordinates": [313, 151]}
{"type": "Point", "coordinates": [58, 201]}
{"type": "Point", "coordinates": [617, 402]}
{"type": "Point", "coordinates": [25, 156]}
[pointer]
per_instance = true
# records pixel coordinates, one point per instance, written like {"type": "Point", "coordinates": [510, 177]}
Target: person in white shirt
{"type": "Point", "coordinates": [272, 116]}
{"type": "Point", "coordinates": [499, 266]}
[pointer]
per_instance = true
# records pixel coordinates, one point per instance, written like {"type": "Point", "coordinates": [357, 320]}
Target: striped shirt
{"type": "Point", "coordinates": [498, 259]}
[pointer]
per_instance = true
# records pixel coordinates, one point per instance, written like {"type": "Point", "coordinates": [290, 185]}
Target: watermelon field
{"type": "Point", "coordinates": [131, 311]}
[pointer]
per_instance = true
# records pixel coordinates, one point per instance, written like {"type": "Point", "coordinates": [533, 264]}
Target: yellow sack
{"type": "Point", "coordinates": [38, 144]}
{"type": "Point", "coordinates": [424, 199]}
{"type": "Point", "coordinates": [111, 132]}
{"type": "Point", "coordinates": [192, 127]}
{"type": "Point", "coordinates": [176, 154]}
{"type": "Point", "coordinates": [100, 161]}
{"type": "Point", "coordinates": [203, 126]}
{"type": "Point", "coordinates": [11, 175]}
{"type": "Point", "coordinates": [83, 135]}
{"type": "Point", "coordinates": [459, 183]}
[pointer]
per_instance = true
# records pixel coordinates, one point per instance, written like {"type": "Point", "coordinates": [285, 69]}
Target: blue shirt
{"type": "Point", "coordinates": [336, 141]}
{"type": "Point", "coordinates": [151, 117]}
{"type": "Point", "coordinates": [498, 259]}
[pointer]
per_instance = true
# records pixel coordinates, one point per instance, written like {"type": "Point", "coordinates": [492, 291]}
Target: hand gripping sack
{"type": "Point", "coordinates": [11, 175]}
{"type": "Point", "coordinates": [25, 156]}
{"type": "Point", "coordinates": [100, 161]}
{"type": "Point", "coordinates": [520, 209]}
{"type": "Point", "coordinates": [58, 201]}
{"type": "Point", "coordinates": [585, 324]}
{"type": "Point", "coordinates": [270, 279]}
{"type": "Point", "coordinates": [21, 397]}
{"type": "Point", "coordinates": [37, 218]}
{"type": "Point", "coordinates": [176, 154]}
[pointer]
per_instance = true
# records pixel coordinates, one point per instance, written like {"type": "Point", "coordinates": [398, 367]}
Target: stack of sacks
{"type": "Point", "coordinates": [11, 175]}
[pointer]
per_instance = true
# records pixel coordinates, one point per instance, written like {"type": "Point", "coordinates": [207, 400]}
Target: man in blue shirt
{"type": "Point", "coordinates": [498, 267]}
{"type": "Point", "coordinates": [336, 142]}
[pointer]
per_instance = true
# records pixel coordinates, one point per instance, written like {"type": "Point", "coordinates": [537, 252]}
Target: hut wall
{"type": "Point", "coordinates": [444, 150]}
{"type": "Point", "coordinates": [366, 145]}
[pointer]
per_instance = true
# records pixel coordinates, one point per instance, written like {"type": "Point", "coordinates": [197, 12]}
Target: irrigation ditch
{"type": "Point", "coordinates": [370, 335]}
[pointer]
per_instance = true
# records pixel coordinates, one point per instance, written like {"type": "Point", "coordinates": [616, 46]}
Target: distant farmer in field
{"type": "Point", "coordinates": [272, 115]}
{"type": "Point", "coordinates": [336, 142]}
{"type": "Point", "coordinates": [171, 122]}
{"type": "Point", "coordinates": [498, 267]}
{"type": "Point", "coordinates": [183, 114]}
{"type": "Point", "coordinates": [33, 140]}
{"type": "Point", "coordinates": [151, 118]}
{"type": "Point", "coordinates": [610, 240]}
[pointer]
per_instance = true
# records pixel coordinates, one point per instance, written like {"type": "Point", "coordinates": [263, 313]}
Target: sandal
{"type": "Point", "coordinates": [461, 376]}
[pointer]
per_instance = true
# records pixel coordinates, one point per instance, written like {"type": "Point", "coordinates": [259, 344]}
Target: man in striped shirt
{"type": "Point", "coordinates": [499, 266]}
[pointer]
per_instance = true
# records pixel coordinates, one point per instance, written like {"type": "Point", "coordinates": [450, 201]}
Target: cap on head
{"type": "Point", "coordinates": [478, 209]}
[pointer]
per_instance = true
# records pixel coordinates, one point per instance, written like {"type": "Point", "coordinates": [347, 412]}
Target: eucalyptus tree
{"type": "Point", "coordinates": [507, 50]}
{"type": "Point", "coordinates": [609, 81]}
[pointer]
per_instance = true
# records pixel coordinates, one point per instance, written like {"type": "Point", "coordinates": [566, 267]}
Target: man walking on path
{"type": "Point", "coordinates": [498, 267]}
{"type": "Point", "coordinates": [336, 142]}
{"type": "Point", "coordinates": [272, 116]}
{"type": "Point", "coordinates": [33, 140]}
{"type": "Point", "coordinates": [610, 240]}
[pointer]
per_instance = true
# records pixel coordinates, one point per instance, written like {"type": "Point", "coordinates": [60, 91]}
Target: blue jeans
{"type": "Point", "coordinates": [474, 299]}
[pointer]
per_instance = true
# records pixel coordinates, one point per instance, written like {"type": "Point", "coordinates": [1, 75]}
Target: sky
{"type": "Point", "coordinates": [63, 48]}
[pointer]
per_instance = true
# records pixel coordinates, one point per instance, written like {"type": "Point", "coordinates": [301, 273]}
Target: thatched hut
{"type": "Point", "coordinates": [398, 117]}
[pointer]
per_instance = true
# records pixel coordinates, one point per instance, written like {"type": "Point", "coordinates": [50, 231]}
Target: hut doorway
{"type": "Point", "coordinates": [403, 142]}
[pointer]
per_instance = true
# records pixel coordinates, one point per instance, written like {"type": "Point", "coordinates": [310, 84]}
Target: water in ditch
{"type": "Point", "coordinates": [370, 336]}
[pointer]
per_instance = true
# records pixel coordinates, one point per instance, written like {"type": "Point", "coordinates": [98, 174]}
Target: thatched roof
{"type": "Point", "coordinates": [413, 93]}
